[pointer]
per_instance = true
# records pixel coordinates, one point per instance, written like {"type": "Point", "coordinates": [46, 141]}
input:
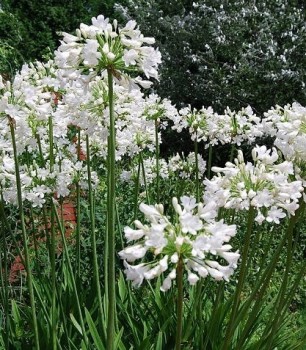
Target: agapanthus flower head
{"type": "Point", "coordinates": [193, 237]}
{"type": "Point", "coordinates": [288, 125]}
{"type": "Point", "coordinates": [213, 128]}
{"type": "Point", "coordinates": [264, 184]}
{"type": "Point", "coordinates": [185, 166]}
{"type": "Point", "coordinates": [103, 45]}
{"type": "Point", "coordinates": [131, 175]}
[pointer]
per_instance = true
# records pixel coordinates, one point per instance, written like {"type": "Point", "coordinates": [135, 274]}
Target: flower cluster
{"type": "Point", "coordinates": [185, 167]}
{"type": "Point", "coordinates": [32, 103]}
{"type": "Point", "coordinates": [103, 45]}
{"type": "Point", "coordinates": [265, 185]}
{"type": "Point", "coordinates": [149, 166]}
{"type": "Point", "coordinates": [288, 125]}
{"type": "Point", "coordinates": [182, 166]}
{"type": "Point", "coordinates": [41, 98]}
{"type": "Point", "coordinates": [195, 238]}
{"type": "Point", "coordinates": [213, 128]}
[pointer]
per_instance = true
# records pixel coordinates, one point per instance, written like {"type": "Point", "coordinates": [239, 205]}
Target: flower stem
{"type": "Point", "coordinates": [93, 237]}
{"type": "Point", "coordinates": [111, 217]}
{"type": "Point", "coordinates": [52, 245]}
{"type": "Point", "coordinates": [179, 305]}
{"type": "Point", "coordinates": [209, 162]}
{"type": "Point", "coordinates": [144, 178]}
{"type": "Point", "coordinates": [24, 236]}
{"type": "Point", "coordinates": [233, 149]}
{"type": "Point", "coordinates": [78, 213]}
{"type": "Point", "coordinates": [196, 152]}
{"type": "Point", "coordinates": [137, 189]}
{"type": "Point", "coordinates": [157, 159]}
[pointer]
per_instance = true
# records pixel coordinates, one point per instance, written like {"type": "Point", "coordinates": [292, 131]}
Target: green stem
{"type": "Point", "coordinates": [40, 150]}
{"type": "Point", "coordinates": [52, 245]}
{"type": "Point", "coordinates": [179, 307]}
{"type": "Point", "coordinates": [144, 178]}
{"type": "Point", "coordinates": [209, 161]}
{"type": "Point", "coordinates": [93, 238]}
{"type": "Point", "coordinates": [241, 278]}
{"type": "Point", "coordinates": [196, 152]}
{"type": "Point", "coordinates": [78, 215]}
{"type": "Point", "coordinates": [137, 189]}
{"type": "Point", "coordinates": [157, 159]}
{"type": "Point", "coordinates": [233, 149]}
{"type": "Point", "coordinates": [24, 237]}
{"type": "Point", "coordinates": [111, 217]}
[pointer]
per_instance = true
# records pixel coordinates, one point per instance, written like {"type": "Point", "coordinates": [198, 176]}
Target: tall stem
{"type": "Point", "coordinates": [179, 305]}
{"type": "Point", "coordinates": [209, 162]}
{"type": "Point", "coordinates": [111, 216]}
{"type": "Point", "coordinates": [24, 237]}
{"type": "Point", "coordinates": [157, 159]}
{"type": "Point", "coordinates": [52, 244]}
{"type": "Point", "coordinates": [93, 237]}
{"type": "Point", "coordinates": [196, 152]}
{"type": "Point", "coordinates": [78, 213]}
{"type": "Point", "coordinates": [144, 178]}
{"type": "Point", "coordinates": [233, 149]}
{"type": "Point", "coordinates": [137, 189]}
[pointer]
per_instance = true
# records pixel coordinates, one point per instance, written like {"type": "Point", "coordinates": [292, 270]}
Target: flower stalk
{"type": "Point", "coordinates": [111, 216]}
{"type": "Point", "coordinates": [24, 235]}
{"type": "Point", "coordinates": [93, 236]}
{"type": "Point", "coordinates": [157, 159]}
{"type": "Point", "coordinates": [196, 152]}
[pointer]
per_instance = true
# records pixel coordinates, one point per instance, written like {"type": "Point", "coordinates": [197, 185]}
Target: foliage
{"type": "Point", "coordinates": [233, 53]}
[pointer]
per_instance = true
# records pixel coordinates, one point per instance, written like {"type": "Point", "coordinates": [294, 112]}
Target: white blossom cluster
{"type": "Point", "coordinates": [134, 116]}
{"type": "Point", "coordinates": [265, 185]}
{"type": "Point", "coordinates": [178, 166]}
{"type": "Point", "coordinates": [103, 45]}
{"type": "Point", "coordinates": [149, 166]}
{"type": "Point", "coordinates": [213, 128]}
{"type": "Point", "coordinates": [31, 103]}
{"type": "Point", "coordinates": [45, 96]}
{"type": "Point", "coordinates": [288, 125]}
{"type": "Point", "coordinates": [184, 167]}
{"type": "Point", "coordinates": [195, 238]}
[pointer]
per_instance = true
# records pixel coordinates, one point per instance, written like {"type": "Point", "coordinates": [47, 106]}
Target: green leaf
{"type": "Point", "coordinates": [76, 324]}
{"type": "Point", "coordinates": [159, 343]}
{"type": "Point", "coordinates": [118, 339]}
{"type": "Point", "coordinates": [122, 287]}
{"type": "Point", "coordinates": [93, 331]}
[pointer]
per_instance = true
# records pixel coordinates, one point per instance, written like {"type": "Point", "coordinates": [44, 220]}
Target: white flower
{"type": "Point", "coordinates": [190, 240]}
{"type": "Point", "coordinates": [135, 273]}
{"type": "Point", "coordinates": [192, 278]}
{"type": "Point", "coordinates": [130, 57]}
{"type": "Point", "coordinates": [133, 253]}
{"type": "Point", "coordinates": [263, 184]}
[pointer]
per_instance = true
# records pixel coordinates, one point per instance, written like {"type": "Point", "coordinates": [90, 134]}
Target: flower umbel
{"type": "Point", "coordinates": [102, 45]}
{"type": "Point", "coordinates": [194, 237]}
